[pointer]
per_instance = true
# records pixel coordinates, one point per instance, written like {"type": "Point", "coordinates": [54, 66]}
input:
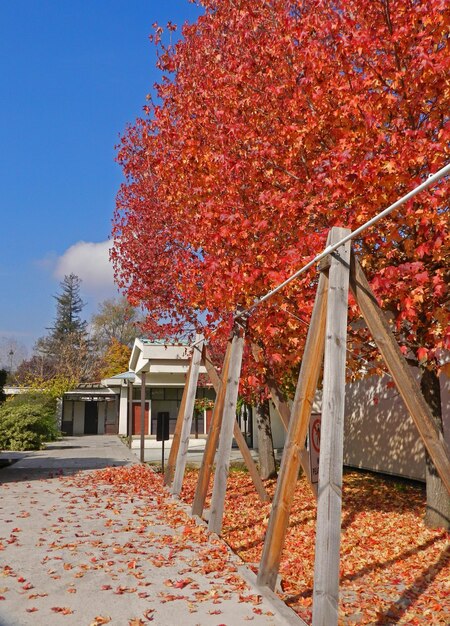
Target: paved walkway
{"type": "Point", "coordinates": [153, 451]}
{"type": "Point", "coordinates": [78, 548]}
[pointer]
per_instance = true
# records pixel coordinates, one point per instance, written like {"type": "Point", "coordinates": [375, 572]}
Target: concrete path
{"type": "Point", "coordinates": [78, 548]}
{"type": "Point", "coordinates": [70, 454]}
{"type": "Point", "coordinates": [153, 451]}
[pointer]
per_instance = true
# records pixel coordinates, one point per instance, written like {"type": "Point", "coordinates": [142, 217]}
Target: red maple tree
{"type": "Point", "coordinates": [274, 122]}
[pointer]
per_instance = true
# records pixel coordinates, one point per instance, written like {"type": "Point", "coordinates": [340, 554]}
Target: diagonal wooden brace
{"type": "Point", "coordinates": [406, 384]}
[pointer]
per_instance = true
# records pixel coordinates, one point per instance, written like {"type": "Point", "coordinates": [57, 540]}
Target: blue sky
{"type": "Point", "coordinates": [73, 73]}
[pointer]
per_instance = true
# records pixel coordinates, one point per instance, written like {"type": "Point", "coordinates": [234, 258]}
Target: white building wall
{"type": "Point", "coordinates": [380, 434]}
{"type": "Point", "coordinates": [123, 399]}
{"type": "Point", "coordinates": [78, 418]}
{"type": "Point", "coordinates": [102, 408]}
{"type": "Point", "coordinates": [278, 430]}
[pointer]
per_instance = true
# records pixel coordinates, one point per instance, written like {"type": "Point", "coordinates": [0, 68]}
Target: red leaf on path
{"type": "Point", "coordinates": [32, 609]}
{"type": "Point", "coordinates": [170, 597]}
{"type": "Point", "coordinates": [2, 598]}
{"type": "Point", "coordinates": [99, 620]}
{"type": "Point", "coordinates": [64, 610]}
{"type": "Point", "coordinates": [178, 584]}
{"type": "Point", "coordinates": [122, 589]}
{"type": "Point", "coordinates": [253, 598]}
{"type": "Point", "coordinates": [106, 587]}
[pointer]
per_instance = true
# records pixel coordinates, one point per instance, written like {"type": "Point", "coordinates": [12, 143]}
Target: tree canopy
{"type": "Point", "coordinates": [115, 321]}
{"type": "Point", "coordinates": [274, 122]}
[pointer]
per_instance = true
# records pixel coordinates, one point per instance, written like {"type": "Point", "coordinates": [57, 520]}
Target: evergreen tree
{"type": "Point", "coordinates": [68, 308]}
{"type": "Point", "coordinates": [68, 346]}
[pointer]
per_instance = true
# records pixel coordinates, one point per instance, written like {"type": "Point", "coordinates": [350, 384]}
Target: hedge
{"type": "Point", "coordinates": [26, 422]}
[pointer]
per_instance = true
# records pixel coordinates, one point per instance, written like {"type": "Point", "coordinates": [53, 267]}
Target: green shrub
{"type": "Point", "coordinates": [26, 421]}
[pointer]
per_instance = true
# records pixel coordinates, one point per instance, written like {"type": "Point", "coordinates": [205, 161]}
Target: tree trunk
{"type": "Point", "coordinates": [438, 500]}
{"type": "Point", "coordinates": [267, 468]}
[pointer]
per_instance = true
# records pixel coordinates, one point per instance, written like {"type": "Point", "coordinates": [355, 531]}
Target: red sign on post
{"type": "Point", "coordinates": [314, 446]}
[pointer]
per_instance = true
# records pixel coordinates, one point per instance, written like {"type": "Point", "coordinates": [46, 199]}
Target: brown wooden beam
{"type": "Point", "coordinates": [295, 440]}
{"type": "Point", "coordinates": [329, 500]}
{"type": "Point", "coordinates": [142, 420]}
{"type": "Point", "coordinates": [180, 466]}
{"type": "Point", "coordinates": [239, 437]}
{"type": "Point", "coordinates": [231, 383]}
{"type": "Point", "coordinates": [207, 463]}
{"type": "Point", "coordinates": [130, 413]}
{"type": "Point", "coordinates": [399, 369]}
{"type": "Point", "coordinates": [171, 461]}
{"type": "Point", "coordinates": [284, 412]}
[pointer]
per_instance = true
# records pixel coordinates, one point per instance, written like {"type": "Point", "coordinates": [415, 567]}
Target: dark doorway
{"type": "Point", "coordinates": [90, 418]}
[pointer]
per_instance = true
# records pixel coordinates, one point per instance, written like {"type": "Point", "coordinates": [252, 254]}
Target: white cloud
{"type": "Point", "coordinates": [90, 262]}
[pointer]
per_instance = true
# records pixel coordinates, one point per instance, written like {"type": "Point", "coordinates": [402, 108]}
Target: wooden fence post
{"type": "Point", "coordinates": [142, 416]}
{"type": "Point", "coordinates": [204, 475]}
{"type": "Point", "coordinates": [400, 372]}
{"type": "Point", "coordinates": [284, 411]}
{"type": "Point", "coordinates": [239, 437]}
{"type": "Point", "coordinates": [187, 419]}
{"type": "Point", "coordinates": [171, 461]}
{"type": "Point", "coordinates": [226, 432]}
{"type": "Point", "coordinates": [130, 412]}
{"type": "Point", "coordinates": [295, 440]}
{"type": "Point", "coordinates": [329, 501]}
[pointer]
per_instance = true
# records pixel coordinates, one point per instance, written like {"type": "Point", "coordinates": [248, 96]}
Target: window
{"type": "Point", "coordinates": [171, 393]}
{"type": "Point", "coordinates": [157, 393]}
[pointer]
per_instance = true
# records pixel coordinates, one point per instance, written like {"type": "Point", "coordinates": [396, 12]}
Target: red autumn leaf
{"type": "Point", "coordinates": [422, 354]}
{"type": "Point", "coordinates": [180, 584]}
{"type": "Point", "coordinates": [99, 620]}
{"type": "Point", "coordinates": [64, 610]}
